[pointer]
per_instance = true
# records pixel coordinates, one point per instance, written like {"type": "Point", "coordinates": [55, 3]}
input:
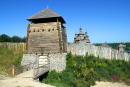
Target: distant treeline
{"type": "Point", "coordinates": [7, 38]}
{"type": "Point", "coordinates": [116, 45]}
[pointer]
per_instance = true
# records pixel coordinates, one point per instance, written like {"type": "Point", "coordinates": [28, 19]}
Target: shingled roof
{"type": "Point", "coordinates": [47, 13]}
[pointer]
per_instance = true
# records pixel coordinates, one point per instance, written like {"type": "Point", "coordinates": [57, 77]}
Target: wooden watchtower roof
{"type": "Point", "coordinates": [46, 15]}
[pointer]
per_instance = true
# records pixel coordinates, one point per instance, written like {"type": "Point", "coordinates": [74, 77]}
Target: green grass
{"type": "Point", "coordinates": [8, 58]}
{"type": "Point", "coordinates": [83, 71]}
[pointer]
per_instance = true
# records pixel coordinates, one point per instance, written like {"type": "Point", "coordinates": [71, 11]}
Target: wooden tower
{"type": "Point", "coordinates": [46, 33]}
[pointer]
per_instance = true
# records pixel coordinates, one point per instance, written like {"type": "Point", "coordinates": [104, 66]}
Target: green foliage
{"type": "Point", "coordinates": [16, 39]}
{"type": "Point", "coordinates": [6, 38]}
{"type": "Point", "coordinates": [83, 71]}
{"type": "Point", "coordinates": [56, 79]}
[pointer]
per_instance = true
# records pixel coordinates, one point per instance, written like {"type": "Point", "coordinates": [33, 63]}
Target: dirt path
{"type": "Point", "coordinates": [25, 80]}
{"type": "Point", "coordinates": [109, 84]}
{"type": "Point", "coordinates": [22, 80]}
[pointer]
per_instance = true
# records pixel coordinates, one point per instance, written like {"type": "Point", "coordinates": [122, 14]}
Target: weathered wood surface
{"type": "Point", "coordinates": [18, 47]}
{"type": "Point", "coordinates": [45, 37]}
{"type": "Point", "coordinates": [98, 51]}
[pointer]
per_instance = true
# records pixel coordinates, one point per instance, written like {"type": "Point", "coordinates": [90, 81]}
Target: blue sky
{"type": "Point", "coordinates": [104, 20]}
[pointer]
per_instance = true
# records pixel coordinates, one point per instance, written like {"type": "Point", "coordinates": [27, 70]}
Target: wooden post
{"type": "Point", "coordinates": [13, 71]}
{"type": "Point", "coordinates": [27, 37]}
{"type": "Point", "coordinates": [59, 34]}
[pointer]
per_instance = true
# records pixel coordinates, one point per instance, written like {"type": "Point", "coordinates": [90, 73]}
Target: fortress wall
{"type": "Point", "coordinates": [56, 61]}
{"type": "Point", "coordinates": [29, 61]}
{"type": "Point", "coordinates": [98, 51]}
{"type": "Point", "coordinates": [18, 47]}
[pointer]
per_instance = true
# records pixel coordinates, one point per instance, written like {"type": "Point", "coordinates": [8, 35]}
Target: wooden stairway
{"type": "Point", "coordinates": [42, 67]}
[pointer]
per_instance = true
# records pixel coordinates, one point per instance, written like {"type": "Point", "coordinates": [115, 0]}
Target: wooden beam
{"type": "Point", "coordinates": [27, 37]}
{"type": "Point", "coordinates": [59, 34]}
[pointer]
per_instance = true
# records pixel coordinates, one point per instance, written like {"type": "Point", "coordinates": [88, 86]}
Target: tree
{"type": "Point", "coordinates": [24, 39]}
{"type": "Point", "coordinates": [16, 39]}
{"type": "Point", "coordinates": [5, 38]}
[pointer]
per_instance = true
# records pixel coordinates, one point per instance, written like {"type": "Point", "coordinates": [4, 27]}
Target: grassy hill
{"type": "Point", "coordinates": [83, 71]}
{"type": "Point", "coordinates": [8, 58]}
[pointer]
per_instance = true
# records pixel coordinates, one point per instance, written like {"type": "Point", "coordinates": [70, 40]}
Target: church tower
{"type": "Point", "coordinates": [46, 33]}
{"type": "Point", "coordinates": [81, 37]}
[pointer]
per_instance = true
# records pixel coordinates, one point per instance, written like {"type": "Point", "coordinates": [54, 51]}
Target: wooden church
{"type": "Point", "coordinates": [46, 33]}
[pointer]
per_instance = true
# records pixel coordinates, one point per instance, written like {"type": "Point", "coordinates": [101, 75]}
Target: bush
{"type": "Point", "coordinates": [83, 71]}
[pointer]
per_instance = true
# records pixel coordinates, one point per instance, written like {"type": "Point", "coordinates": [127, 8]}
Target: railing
{"type": "Point", "coordinates": [38, 62]}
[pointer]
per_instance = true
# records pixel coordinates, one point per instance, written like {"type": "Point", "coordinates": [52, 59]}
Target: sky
{"type": "Point", "coordinates": [104, 20]}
